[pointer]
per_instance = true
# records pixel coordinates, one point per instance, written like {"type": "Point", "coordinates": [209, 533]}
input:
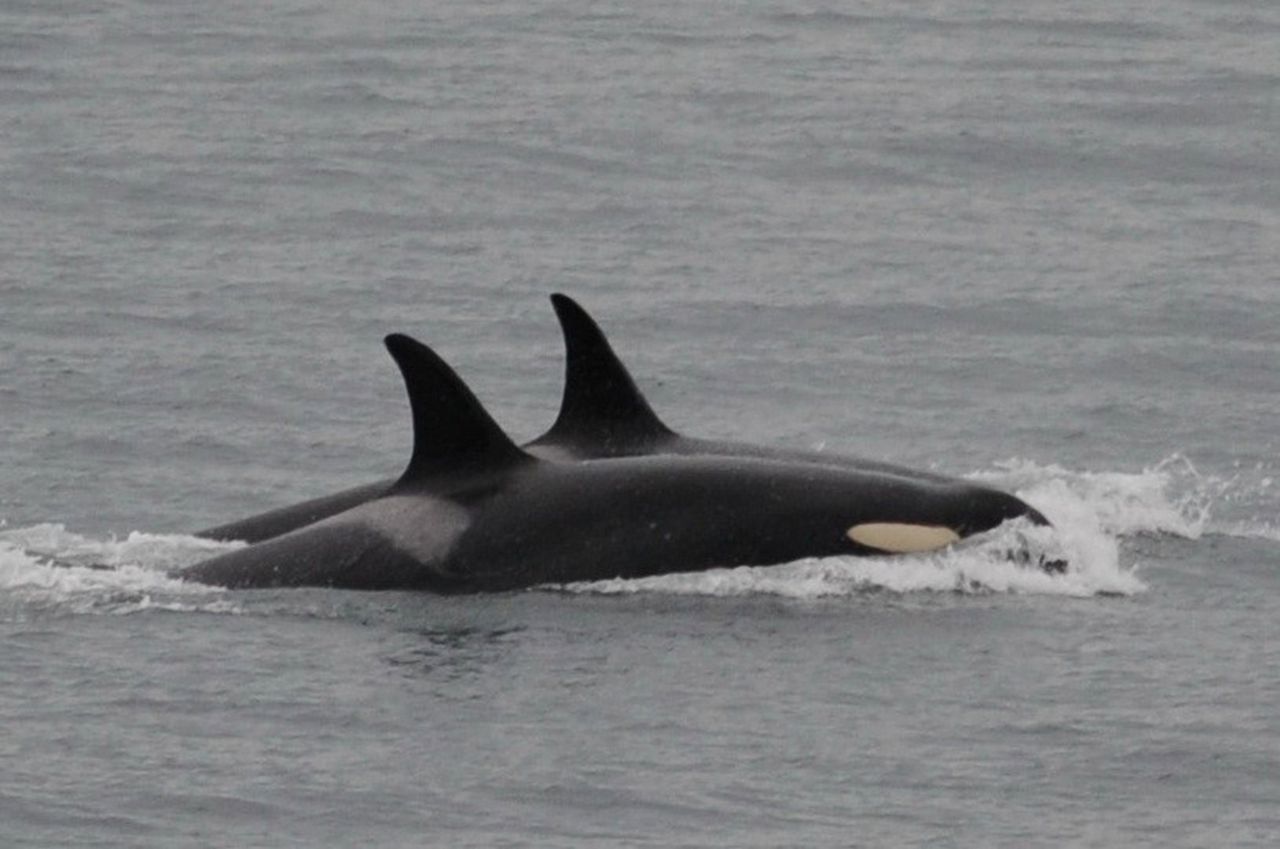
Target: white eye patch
{"type": "Point", "coordinates": [898, 538]}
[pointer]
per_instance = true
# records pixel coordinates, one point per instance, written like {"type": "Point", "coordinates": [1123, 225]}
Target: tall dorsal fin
{"type": "Point", "coordinates": [451, 430]}
{"type": "Point", "coordinates": [601, 403]}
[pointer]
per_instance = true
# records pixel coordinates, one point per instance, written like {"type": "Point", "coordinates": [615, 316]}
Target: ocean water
{"type": "Point", "coordinates": [1033, 244]}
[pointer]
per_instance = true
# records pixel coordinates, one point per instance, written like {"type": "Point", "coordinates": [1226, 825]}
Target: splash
{"type": "Point", "coordinates": [45, 568]}
{"type": "Point", "coordinates": [1249, 500]}
{"type": "Point", "coordinates": [1002, 561]}
{"type": "Point", "coordinates": [1171, 497]}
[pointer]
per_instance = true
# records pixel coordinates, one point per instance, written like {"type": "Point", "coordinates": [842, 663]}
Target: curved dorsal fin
{"type": "Point", "coordinates": [601, 403]}
{"type": "Point", "coordinates": [451, 431]}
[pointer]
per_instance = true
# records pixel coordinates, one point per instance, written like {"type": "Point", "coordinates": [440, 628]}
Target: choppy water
{"type": "Point", "coordinates": [1033, 244]}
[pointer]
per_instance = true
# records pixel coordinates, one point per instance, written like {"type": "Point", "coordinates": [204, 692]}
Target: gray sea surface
{"type": "Point", "coordinates": [1036, 244]}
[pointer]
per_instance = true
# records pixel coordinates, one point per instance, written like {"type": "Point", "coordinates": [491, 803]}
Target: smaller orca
{"type": "Point", "coordinates": [475, 512]}
{"type": "Point", "coordinates": [602, 414]}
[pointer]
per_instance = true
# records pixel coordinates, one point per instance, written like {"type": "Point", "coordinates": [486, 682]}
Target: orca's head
{"type": "Point", "coordinates": [974, 512]}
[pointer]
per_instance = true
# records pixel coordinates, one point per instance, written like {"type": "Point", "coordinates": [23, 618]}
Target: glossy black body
{"type": "Point", "coordinates": [602, 414]}
{"type": "Point", "coordinates": [474, 512]}
{"type": "Point", "coordinates": [539, 522]}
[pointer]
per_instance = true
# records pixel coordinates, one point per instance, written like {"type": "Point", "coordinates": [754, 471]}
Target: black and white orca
{"type": "Point", "coordinates": [602, 414]}
{"type": "Point", "coordinates": [475, 512]}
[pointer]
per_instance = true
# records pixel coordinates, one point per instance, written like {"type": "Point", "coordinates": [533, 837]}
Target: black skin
{"type": "Point", "coordinates": [474, 512]}
{"type": "Point", "coordinates": [602, 414]}
{"type": "Point", "coordinates": [535, 522]}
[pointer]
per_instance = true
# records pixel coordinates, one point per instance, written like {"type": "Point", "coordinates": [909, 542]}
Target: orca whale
{"type": "Point", "coordinates": [602, 414]}
{"type": "Point", "coordinates": [475, 512]}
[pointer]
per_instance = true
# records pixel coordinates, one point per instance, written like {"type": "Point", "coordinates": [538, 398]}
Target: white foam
{"type": "Point", "coordinates": [45, 567]}
{"type": "Point", "coordinates": [154, 551]}
{"type": "Point", "coordinates": [985, 564]}
{"type": "Point", "coordinates": [1248, 500]}
{"type": "Point", "coordinates": [1171, 497]}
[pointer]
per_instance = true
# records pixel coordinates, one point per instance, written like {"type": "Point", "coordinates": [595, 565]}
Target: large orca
{"type": "Point", "coordinates": [602, 414]}
{"type": "Point", "coordinates": [475, 512]}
